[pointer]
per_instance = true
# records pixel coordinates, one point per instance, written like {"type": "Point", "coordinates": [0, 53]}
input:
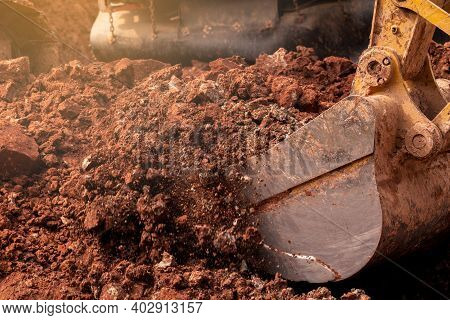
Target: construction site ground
{"type": "Point", "coordinates": [121, 184]}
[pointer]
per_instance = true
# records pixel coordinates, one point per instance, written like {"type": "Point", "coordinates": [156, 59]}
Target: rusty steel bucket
{"type": "Point", "coordinates": [369, 178]}
{"type": "Point", "coordinates": [335, 197]}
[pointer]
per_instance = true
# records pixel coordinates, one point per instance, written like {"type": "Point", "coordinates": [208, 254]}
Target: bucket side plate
{"type": "Point", "coordinates": [325, 230]}
{"type": "Point", "coordinates": [316, 195]}
{"type": "Point", "coordinates": [341, 135]}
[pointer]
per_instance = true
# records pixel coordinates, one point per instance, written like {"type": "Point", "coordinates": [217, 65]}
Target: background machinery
{"type": "Point", "coordinates": [24, 32]}
{"type": "Point", "coordinates": [182, 30]}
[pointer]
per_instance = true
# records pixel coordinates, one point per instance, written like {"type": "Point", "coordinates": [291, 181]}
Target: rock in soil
{"type": "Point", "coordinates": [14, 76]}
{"type": "Point", "coordinates": [19, 153]}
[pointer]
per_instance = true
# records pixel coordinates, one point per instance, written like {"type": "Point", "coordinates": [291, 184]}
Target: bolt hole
{"type": "Point", "coordinates": [374, 67]}
{"type": "Point", "coordinates": [394, 29]}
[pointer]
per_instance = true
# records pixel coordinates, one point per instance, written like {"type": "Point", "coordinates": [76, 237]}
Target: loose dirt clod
{"type": "Point", "coordinates": [18, 153]}
{"type": "Point", "coordinates": [14, 76]}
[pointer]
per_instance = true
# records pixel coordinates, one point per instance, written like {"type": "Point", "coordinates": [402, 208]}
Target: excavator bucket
{"type": "Point", "coordinates": [319, 207]}
{"type": "Point", "coordinates": [24, 31]}
{"type": "Point", "coordinates": [330, 198]}
{"type": "Point", "coordinates": [367, 179]}
{"type": "Point", "coordinates": [179, 31]}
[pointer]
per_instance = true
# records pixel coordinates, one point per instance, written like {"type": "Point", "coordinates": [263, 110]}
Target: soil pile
{"type": "Point", "coordinates": [136, 197]}
{"type": "Point", "coordinates": [440, 60]}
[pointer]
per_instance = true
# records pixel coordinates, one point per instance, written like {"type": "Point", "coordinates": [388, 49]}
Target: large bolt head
{"type": "Point", "coordinates": [423, 140]}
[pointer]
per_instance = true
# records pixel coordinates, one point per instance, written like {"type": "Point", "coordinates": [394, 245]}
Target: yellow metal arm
{"type": "Point", "coordinates": [429, 11]}
{"type": "Point", "coordinates": [442, 121]}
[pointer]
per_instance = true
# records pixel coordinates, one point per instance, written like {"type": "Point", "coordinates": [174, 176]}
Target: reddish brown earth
{"type": "Point", "coordinates": [135, 197]}
{"type": "Point", "coordinates": [441, 60]}
{"type": "Point", "coordinates": [18, 153]}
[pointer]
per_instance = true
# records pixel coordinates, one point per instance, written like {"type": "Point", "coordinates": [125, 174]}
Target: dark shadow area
{"type": "Point", "coordinates": [388, 281]}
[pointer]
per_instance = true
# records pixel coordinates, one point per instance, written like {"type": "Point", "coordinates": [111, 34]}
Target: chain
{"type": "Point", "coordinates": [113, 38]}
{"type": "Point", "coordinates": [151, 7]}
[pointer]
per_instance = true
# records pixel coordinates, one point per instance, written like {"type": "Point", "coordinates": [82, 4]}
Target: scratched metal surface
{"type": "Point", "coordinates": [325, 230]}
{"type": "Point", "coordinates": [341, 135]}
